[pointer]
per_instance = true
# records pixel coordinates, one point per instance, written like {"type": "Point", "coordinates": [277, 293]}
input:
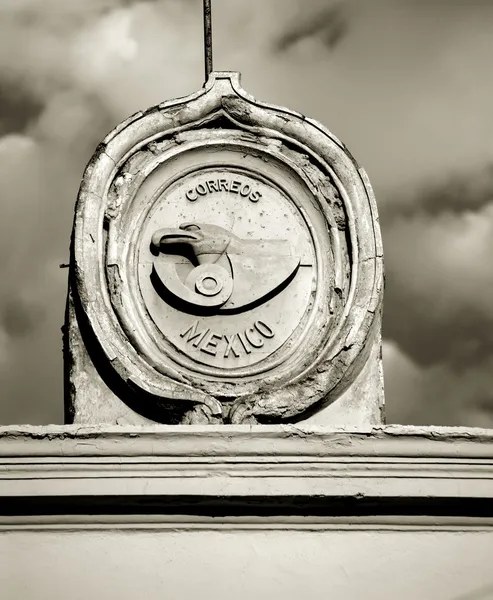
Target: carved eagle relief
{"type": "Point", "coordinates": [201, 267]}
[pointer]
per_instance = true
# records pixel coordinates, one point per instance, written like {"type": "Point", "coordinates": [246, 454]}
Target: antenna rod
{"type": "Point", "coordinates": [208, 38]}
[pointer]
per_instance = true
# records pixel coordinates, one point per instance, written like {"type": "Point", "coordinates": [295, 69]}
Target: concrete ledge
{"type": "Point", "coordinates": [244, 440]}
{"type": "Point", "coordinates": [245, 462]}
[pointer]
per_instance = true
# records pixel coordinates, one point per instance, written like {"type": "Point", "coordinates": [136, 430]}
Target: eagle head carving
{"type": "Point", "coordinates": [228, 272]}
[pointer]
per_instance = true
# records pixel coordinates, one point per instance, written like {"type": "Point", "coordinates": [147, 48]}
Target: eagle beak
{"type": "Point", "coordinates": [172, 236]}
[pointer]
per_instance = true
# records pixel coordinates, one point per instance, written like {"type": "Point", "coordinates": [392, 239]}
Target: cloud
{"type": "Point", "coordinates": [50, 127]}
{"type": "Point", "coordinates": [439, 316]}
{"type": "Point", "coordinates": [439, 394]}
{"type": "Point", "coordinates": [328, 25]}
{"type": "Point", "coordinates": [457, 191]}
{"type": "Point", "coordinates": [451, 252]}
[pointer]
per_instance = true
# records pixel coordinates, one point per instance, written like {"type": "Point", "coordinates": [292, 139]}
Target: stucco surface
{"type": "Point", "coordinates": [245, 565]}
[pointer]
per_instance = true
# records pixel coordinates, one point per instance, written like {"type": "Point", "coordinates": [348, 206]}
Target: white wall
{"type": "Point", "coordinates": [227, 565]}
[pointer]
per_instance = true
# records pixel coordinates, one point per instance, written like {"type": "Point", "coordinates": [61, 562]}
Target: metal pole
{"type": "Point", "coordinates": [208, 38]}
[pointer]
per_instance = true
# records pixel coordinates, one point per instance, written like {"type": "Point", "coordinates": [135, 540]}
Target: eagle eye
{"type": "Point", "coordinates": [190, 227]}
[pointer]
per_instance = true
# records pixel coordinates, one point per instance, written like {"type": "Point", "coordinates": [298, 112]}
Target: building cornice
{"type": "Point", "coordinates": [245, 462]}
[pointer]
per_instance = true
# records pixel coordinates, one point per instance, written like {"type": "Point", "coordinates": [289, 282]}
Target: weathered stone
{"type": "Point", "coordinates": [226, 267]}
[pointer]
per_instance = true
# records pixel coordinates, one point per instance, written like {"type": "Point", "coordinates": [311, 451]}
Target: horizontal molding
{"type": "Point", "coordinates": [269, 478]}
{"type": "Point", "coordinates": [244, 440]}
{"type": "Point", "coordinates": [184, 523]}
{"type": "Point", "coordinates": [242, 461]}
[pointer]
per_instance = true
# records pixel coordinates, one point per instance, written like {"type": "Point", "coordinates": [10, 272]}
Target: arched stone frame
{"type": "Point", "coordinates": [339, 358]}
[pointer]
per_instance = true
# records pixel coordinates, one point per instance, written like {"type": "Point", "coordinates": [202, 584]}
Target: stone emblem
{"type": "Point", "coordinates": [229, 285]}
{"type": "Point", "coordinates": [227, 262]}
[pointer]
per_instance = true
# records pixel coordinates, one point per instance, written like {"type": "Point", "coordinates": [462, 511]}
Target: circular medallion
{"type": "Point", "coordinates": [226, 268]}
{"type": "Point", "coordinates": [231, 263]}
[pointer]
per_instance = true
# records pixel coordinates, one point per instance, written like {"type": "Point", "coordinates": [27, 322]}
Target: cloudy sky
{"type": "Point", "coordinates": [406, 84]}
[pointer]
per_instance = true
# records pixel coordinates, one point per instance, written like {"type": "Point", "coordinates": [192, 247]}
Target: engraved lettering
{"type": "Point", "coordinates": [201, 189]}
{"type": "Point", "coordinates": [197, 343]}
{"type": "Point", "coordinates": [230, 346]}
{"type": "Point", "coordinates": [236, 344]}
{"type": "Point", "coordinates": [243, 343]}
{"type": "Point", "coordinates": [212, 186]}
{"type": "Point", "coordinates": [190, 196]}
{"type": "Point", "coordinates": [210, 343]}
{"type": "Point", "coordinates": [194, 335]}
{"type": "Point", "coordinates": [217, 185]}
{"type": "Point", "coordinates": [253, 342]}
{"type": "Point", "coordinates": [264, 329]}
{"type": "Point", "coordinates": [235, 187]}
{"type": "Point", "coordinates": [245, 190]}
